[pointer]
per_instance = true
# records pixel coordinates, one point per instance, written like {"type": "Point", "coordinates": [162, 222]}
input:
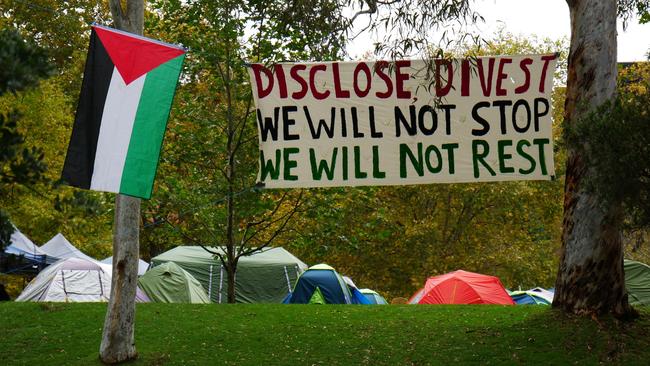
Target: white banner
{"type": "Point", "coordinates": [407, 122]}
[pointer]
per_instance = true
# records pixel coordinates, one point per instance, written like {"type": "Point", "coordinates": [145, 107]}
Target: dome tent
{"type": "Point", "coordinates": [374, 297]}
{"type": "Point", "coordinates": [546, 294]}
{"type": "Point", "coordinates": [142, 265]}
{"type": "Point", "coordinates": [170, 283]}
{"type": "Point", "coordinates": [73, 280]}
{"type": "Point", "coordinates": [462, 287]}
{"type": "Point", "coordinates": [529, 297]}
{"type": "Point", "coordinates": [263, 277]}
{"type": "Point", "coordinates": [357, 296]}
{"type": "Point", "coordinates": [321, 284]}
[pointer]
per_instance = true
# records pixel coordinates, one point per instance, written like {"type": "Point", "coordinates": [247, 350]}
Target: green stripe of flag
{"type": "Point", "coordinates": [149, 129]}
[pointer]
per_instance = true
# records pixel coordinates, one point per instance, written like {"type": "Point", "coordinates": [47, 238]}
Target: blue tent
{"type": "Point", "coordinates": [321, 284]}
{"type": "Point", "coordinates": [373, 297]}
{"type": "Point", "coordinates": [359, 298]}
{"type": "Point", "coordinates": [536, 296]}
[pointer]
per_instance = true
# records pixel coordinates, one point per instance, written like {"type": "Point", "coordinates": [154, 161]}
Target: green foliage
{"type": "Point", "coordinates": [205, 191]}
{"type": "Point", "coordinates": [644, 15]}
{"type": "Point", "coordinates": [18, 164]}
{"type": "Point", "coordinates": [615, 140]}
{"type": "Point", "coordinates": [297, 30]}
{"type": "Point", "coordinates": [393, 238]}
{"type": "Point", "coordinates": [634, 8]}
{"type": "Point", "coordinates": [416, 27]}
{"type": "Point", "coordinates": [6, 228]}
{"type": "Point", "coordinates": [42, 210]}
{"type": "Point", "coordinates": [57, 25]}
{"type": "Point", "coordinates": [274, 334]}
{"type": "Point", "coordinates": [22, 65]}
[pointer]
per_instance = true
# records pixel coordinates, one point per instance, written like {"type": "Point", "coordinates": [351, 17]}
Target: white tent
{"type": "Point", "coordinates": [21, 245]}
{"type": "Point", "coordinates": [142, 265]}
{"type": "Point", "coordinates": [60, 247]}
{"type": "Point", "coordinates": [349, 282]}
{"type": "Point", "coordinates": [543, 293]}
{"type": "Point", "coordinates": [73, 280]}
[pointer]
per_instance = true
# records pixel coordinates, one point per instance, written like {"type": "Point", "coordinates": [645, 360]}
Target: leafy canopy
{"type": "Point", "coordinates": [22, 65]}
{"type": "Point", "coordinates": [615, 140]}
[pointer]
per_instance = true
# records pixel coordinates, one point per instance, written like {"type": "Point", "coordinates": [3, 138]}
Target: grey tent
{"type": "Point", "coordinates": [73, 280]}
{"type": "Point", "coordinates": [264, 277]}
{"type": "Point", "coordinates": [142, 265]}
{"type": "Point", "coordinates": [22, 246]}
{"type": "Point", "coordinates": [59, 247]}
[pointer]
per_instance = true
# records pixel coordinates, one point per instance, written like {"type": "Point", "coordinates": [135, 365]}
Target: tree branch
{"type": "Point", "coordinates": [280, 230]}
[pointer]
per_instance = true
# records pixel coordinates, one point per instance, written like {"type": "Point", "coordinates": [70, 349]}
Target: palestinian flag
{"type": "Point", "coordinates": [126, 95]}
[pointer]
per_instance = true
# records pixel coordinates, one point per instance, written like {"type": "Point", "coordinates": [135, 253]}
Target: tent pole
{"type": "Point", "coordinates": [63, 283]}
{"type": "Point", "coordinates": [101, 285]}
{"type": "Point", "coordinates": [210, 284]}
{"type": "Point", "coordinates": [286, 275]}
{"type": "Point", "coordinates": [220, 282]}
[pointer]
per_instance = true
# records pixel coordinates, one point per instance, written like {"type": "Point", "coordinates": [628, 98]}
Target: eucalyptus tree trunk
{"type": "Point", "coordinates": [590, 278]}
{"type": "Point", "coordinates": [118, 341]}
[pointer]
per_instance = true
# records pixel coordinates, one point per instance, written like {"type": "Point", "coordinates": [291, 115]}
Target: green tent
{"type": "Point", "coordinates": [637, 282]}
{"type": "Point", "coordinates": [170, 283]}
{"type": "Point", "coordinates": [264, 277]}
{"type": "Point", "coordinates": [317, 297]}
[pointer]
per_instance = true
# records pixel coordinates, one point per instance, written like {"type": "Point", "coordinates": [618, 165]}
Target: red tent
{"type": "Point", "coordinates": [461, 287]}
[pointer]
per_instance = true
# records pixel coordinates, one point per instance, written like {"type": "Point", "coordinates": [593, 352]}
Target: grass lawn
{"type": "Point", "coordinates": [174, 334]}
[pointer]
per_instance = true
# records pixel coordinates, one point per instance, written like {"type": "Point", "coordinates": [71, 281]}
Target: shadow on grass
{"type": "Point", "coordinates": [562, 337]}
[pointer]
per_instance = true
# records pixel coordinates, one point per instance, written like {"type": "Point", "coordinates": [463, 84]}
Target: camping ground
{"type": "Point", "coordinates": [264, 334]}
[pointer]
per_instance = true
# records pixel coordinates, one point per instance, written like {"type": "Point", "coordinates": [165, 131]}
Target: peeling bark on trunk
{"type": "Point", "coordinates": [590, 277]}
{"type": "Point", "coordinates": [118, 342]}
{"type": "Point", "coordinates": [118, 337]}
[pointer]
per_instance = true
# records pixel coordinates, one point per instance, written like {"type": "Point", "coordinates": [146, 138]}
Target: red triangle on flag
{"type": "Point", "coordinates": [132, 55]}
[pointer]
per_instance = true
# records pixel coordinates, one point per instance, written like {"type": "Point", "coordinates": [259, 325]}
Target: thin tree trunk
{"type": "Point", "coordinates": [230, 206]}
{"type": "Point", "coordinates": [590, 277]}
{"type": "Point", "coordinates": [118, 340]}
{"type": "Point", "coordinates": [230, 178]}
{"type": "Point", "coordinates": [232, 276]}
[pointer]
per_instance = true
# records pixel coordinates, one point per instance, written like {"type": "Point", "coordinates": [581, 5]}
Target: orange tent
{"type": "Point", "coordinates": [462, 287]}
